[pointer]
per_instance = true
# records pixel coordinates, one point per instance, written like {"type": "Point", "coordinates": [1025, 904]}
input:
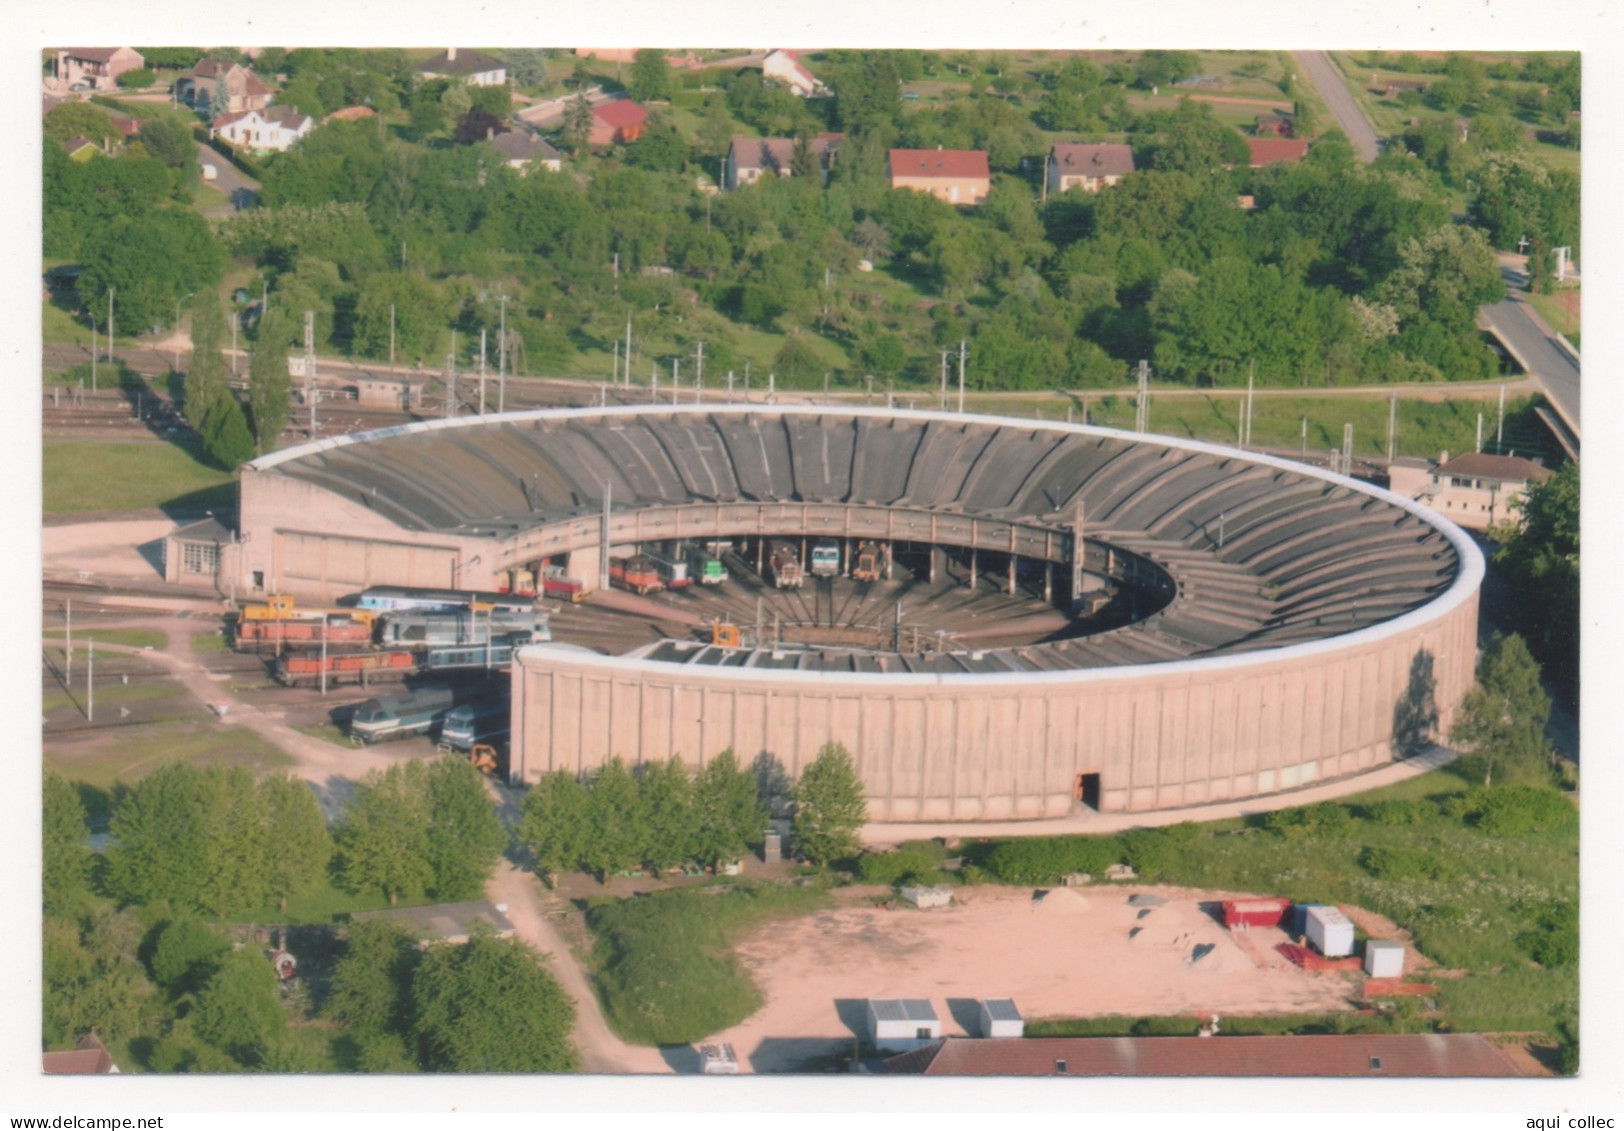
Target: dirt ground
{"type": "Point", "coordinates": [1077, 952]}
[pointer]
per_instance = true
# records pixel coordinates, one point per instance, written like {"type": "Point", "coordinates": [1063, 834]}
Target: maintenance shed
{"type": "Point", "coordinates": [1000, 1018]}
{"type": "Point", "coordinates": [902, 1024]}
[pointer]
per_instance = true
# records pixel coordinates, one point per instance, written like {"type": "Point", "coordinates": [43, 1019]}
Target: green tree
{"type": "Point", "coordinates": [830, 806]}
{"type": "Point", "coordinates": [797, 362]}
{"type": "Point", "coordinates": [1502, 719]}
{"type": "Point", "coordinates": [79, 119]}
{"type": "Point", "coordinates": [728, 812]}
{"type": "Point", "coordinates": [237, 1011]}
{"type": "Point", "coordinates": [270, 392]}
{"type": "Point", "coordinates": [491, 1006]}
{"type": "Point", "coordinates": [553, 825]}
{"type": "Point", "coordinates": [578, 120]}
{"type": "Point", "coordinates": [225, 435]}
{"type": "Point", "coordinates": [651, 76]}
{"type": "Point", "coordinates": [616, 823]}
{"type": "Point", "coordinates": [667, 792]}
{"type": "Point", "coordinates": [66, 856]}
{"type": "Point", "coordinates": [527, 65]}
{"type": "Point", "coordinates": [152, 260]}
{"type": "Point", "coordinates": [383, 843]}
{"type": "Point", "coordinates": [297, 845]}
{"type": "Point", "coordinates": [1445, 274]}
{"type": "Point", "coordinates": [186, 955]}
{"type": "Point", "coordinates": [419, 315]}
{"type": "Point", "coordinates": [372, 979]}
{"type": "Point", "coordinates": [715, 127]}
{"type": "Point", "coordinates": [1540, 556]}
{"type": "Point", "coordinates": [206, 374]}
{"type": "Point", "coordinates": [92, 979]}
{"type": "Point", "coordinates": [465, 836]}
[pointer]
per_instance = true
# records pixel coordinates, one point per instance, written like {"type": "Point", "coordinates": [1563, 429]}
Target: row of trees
{"type": "Point", "coordinates": [661, 817]}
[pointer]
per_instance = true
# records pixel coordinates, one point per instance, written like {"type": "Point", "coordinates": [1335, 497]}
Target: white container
{"type": "Point", "coordinates": [1330, 931]}
{"type": "Point", "coordinates": [1384, 958]}
{"type": "Point", "coordinates": [210, 173]}
{"type": "Point", "coordinates": [902, 1024]}
{"type": "Point", "coordinates": [1000, 1018]}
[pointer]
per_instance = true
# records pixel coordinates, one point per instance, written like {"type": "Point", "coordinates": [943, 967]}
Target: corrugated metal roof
{"type": "Point", "coordinates": [902, 1009]}
{"type": "Point", "coordinates": [1001, 1009]}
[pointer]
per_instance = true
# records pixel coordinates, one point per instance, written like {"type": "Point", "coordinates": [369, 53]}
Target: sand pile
{"type": "Point", "coordinates": [1059, 901]}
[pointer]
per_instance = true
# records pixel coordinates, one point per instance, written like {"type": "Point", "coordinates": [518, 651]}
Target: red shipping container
{"type": "Point", "coordinates": [1255, 912]}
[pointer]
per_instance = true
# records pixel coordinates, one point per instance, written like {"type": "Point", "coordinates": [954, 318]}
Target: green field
{"type": "Point", "coordinates": [130, 476]}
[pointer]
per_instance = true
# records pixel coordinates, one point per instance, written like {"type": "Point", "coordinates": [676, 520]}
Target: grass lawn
{"type": "Point", "coordinates": [663, 968]}
{"type": "Point", "coordinates": [109, 695]}
{"type": "Point", "coordinates": [87, 476]}
{"type": "Point", "coordinates": [210, 642]}
{"type": "Point", "coordinates": [100, 767]}
{"type": "Point", "coordinates": [131, 637]}
{"type": "Point", "coordinates": [327, 733]}
{"type": "Point", "coordinates": [1561, 310]}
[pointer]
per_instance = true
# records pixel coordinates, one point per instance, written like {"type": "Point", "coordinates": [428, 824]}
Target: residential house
{"type": "Point", "coordinates": [1275, 123]}
{"type": "Point", "coordinates": [243, 89]}
{"type": "Point", "coordinates": [89, 1058]}
{"type": "Point", "coordinates": [96, 68]}
{"type": "Point", "coordinates": [524, 150]}
{"type": "Point", "coordinates": [1476, 490]}
{"type": "Point", "coordinates": [271, 130]}
{"type": "Point", "coordinates": [1088, 167]}
{"type": "Point", "coordinates": [473, 67]}
{"type": "Point", "coordinates": [81, 148]}
{"type": "Point", "coordinates": [1275, 150]}
{"type": "Point", "coordinates": [1370, 1056]}
{"type": "Point", "coordinates": [958, 176]}
{"type": "Point", "coordinates": [750, 157]}
{"type": "Point", "coordinates": [786, 66]}
{"type": "Point", "coordinates": [617, 122]}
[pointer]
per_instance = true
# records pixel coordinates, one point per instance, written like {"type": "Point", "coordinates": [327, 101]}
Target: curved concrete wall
{"type": "Point", "coordinates": [992, 747]}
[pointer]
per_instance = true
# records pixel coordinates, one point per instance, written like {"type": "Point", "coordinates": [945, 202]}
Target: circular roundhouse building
{"type": "Point", "coordinates": [1218, 624]}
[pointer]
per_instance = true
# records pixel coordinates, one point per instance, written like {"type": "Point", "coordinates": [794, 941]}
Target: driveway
{"type": "Point", "coordinates": [239, 189]}
{"type": "Point", "coordinates": [1323, 74]}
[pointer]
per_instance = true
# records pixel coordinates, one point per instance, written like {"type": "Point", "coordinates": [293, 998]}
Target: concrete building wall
{"type": "Point", "coordinates": [954, 190]}
{"type": "Point", "coordinates": [992, 747]}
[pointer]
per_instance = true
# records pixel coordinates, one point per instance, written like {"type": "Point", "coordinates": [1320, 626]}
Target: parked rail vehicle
{"type": "Point", "coordinates": [783, 566]}
{"type": "Point", "coordinates": [423, 628]}
{"type": "Point", "coordinates": [672, 568]}
{"type": "Point", "coordinates": [520, 582]}
{"type": "Point", "coordinates": [494, 655]}
{"type": "Point", "coordinates": [705, 562]}
{"type": "Point", "coordinates": [825, 558]}
{"type": "Point", "coordinates": [307, 665]}
{"type": "Point", "coordinates": [560, 588]}
{"type": "Point", "coordinates": [486, 722]}
{"type": "Point", "coordinates": [869, 562]}
{"type": "Point", "coordinates": [637, 573]}
{"type": "Point", "coordinates": [385, 598]}
{"type": "Point", "coordinates": [406, 713]}
{"type": "Point", "coordinates": [339, 629]}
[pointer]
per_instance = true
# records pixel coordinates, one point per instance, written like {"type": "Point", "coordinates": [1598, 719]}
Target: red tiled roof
{"type": "Point", "coordinates": [1269, 150]}
{"type": "Point", "coordinates": [91, 1058]}
{"type": "Point", "coordinates": [1483, 465]}
{"type": "Point", "coordinates": [1105, 160]}
{"type": "Point", "coordinates": [620, 114]}
{"type": "Point", "coordinates": [946, 163]}
{"type": "Point", "coordinates": [1357, 1055]}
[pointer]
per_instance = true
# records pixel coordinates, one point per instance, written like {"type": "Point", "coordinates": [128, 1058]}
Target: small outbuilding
{"type": "Point", "coordinates": [902, 1024]}
{"type": "Point", "coordinates": [1000, 1018]}
{"type": "Point", "coordinates": [1245, 913]}
{"type": "Point", "coordinates": [387, 392]}
{"type": "Point", "coordinates": [924, 897]}
{"type": "Point", "coordinates": [1384, 958]}
{"type": "Point", "coordinates": [718, 1060]}
{"type": "Point", "coordinates": [194, 554]}
{"type": "Point", "coordinates": [1330, 931]}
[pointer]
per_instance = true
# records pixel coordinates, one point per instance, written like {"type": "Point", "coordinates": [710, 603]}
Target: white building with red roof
{"type": "Point", "coordinates": [1475, 491]}
{"type": "Point", "coordinates": [958, 176]}
{"type": "Point", "coordinates": [786, 66]}
{"type": "Point", "coordinates": [271, 130]}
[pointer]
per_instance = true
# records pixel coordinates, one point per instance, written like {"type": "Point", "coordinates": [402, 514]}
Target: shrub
{"type": "Point", "coordinates": [1515, 810]}
{"type": "Point", "coordinates": [1556, 941]}
{"type": "Point", "coordinates": [1395, 813]}
{"type": "Point", "coordinates": [1044, 859]}
{"type": "Point", "coordinates": [1389, 862]}
{"type": "Point", "coordinates": [915, 859]}
{"type": "Point", "coordinates": [1151, 851]}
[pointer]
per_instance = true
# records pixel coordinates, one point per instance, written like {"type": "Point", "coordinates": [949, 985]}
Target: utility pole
{"type": "Point", "coordinates": [675, 380]}
{"type": "Point", "coordinates": [90, 679]}
{"type": "Point", "coordinates": [699, 371]}
{"type": "Point", "coordinates": [501, 360]}
{"type": "Point", "coordinates": [603, 539]}
{"type": "Point", "coordinates": [1305, 438]}
{"type": "Point", "coordinates": [1392, 427]}
{"type": "Point", "coordinates": [451, 383]}
{"type": "Point", "coordinates": [826, 388]}
{"type": "Point", "coordinates": [1500, 426]}
{"type": "Point", "coordinates": [730, 386]}
{"type": "Point", "coordinates": [942, 399]}
{"type": "Point", "coordinates": [391, 334]}
{"type": "Point", "coordinates": [68, 671]}
{"type": "Point", "coordinates": [1479, 432]}
{"type": "Point", "coordinates": [626, 359]}
{"type": "Point", "coordinates": [1078, 548]}
{"type": "Point", "coordinates": [614, 363]}
{"type": "Point", "coordinates": [961, 375]}
{"type": "Point", "coordinates": [110, 292]}
{"type": "Point", "coordinates": [1251, 377]}
{"type": "Point", "coordinates": [482, 371]}
{"type": "Point", "coordinates": [1347, 449]}
{"type": "Point", "coordinates": [1141, 408]}
{"type": "Point", "coordinates": [310, 367]}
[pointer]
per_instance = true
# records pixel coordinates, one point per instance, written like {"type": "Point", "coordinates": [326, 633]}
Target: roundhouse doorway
{"type": "Point", "coordinates": [1087, 790]}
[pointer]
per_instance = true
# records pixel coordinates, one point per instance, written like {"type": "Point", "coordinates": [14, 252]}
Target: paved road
{"type": "Point", "coordinates": [1531, 342]}
{"type": "Point", "coordinates": [242, 192]}
{"type": "Point", "coordinates": [1320, 71]}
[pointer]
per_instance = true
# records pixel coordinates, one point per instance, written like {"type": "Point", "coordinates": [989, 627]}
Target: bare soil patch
{"type": "Point", "coordinates": [1077, 952]}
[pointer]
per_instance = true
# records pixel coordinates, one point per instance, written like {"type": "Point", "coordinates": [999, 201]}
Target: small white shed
{"type": "Point", "coordinates": [718, 1060]}
{"type": "Point", "coordinates": [902, 1024]}
{"type": "Point", "coordinates": [924, 897]}
{"type": "Point", "coordinates": [1000, 1018]}
{"type": "Point", "coordinates": [1330, 931]}
{"type": "Point", "coordinates": [1384, 958]}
